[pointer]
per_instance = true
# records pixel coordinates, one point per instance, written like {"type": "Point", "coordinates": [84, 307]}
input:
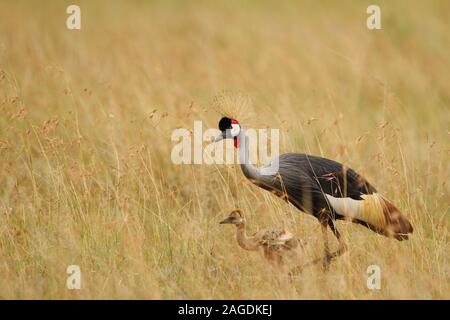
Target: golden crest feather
{"type": "Point", "coordinates": [234, 106]}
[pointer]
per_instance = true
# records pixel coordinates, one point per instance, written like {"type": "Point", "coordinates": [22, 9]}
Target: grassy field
{"type": "Point", "coordinates": [86, 119]}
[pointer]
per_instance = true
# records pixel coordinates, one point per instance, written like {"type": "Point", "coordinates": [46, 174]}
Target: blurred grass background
{"type": "Point", "coordinates": [86, 119]}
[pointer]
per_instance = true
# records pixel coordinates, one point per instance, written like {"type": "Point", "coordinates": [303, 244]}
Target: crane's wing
{"type": "Point", "coordinates": [323, 176]}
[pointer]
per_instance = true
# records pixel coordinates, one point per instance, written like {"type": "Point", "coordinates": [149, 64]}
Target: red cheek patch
{"type": "Point", "coordinates": [236, 142]}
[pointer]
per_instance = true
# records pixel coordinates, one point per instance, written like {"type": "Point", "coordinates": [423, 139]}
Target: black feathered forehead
{"type": "Point", "coordinates": [225, 123]}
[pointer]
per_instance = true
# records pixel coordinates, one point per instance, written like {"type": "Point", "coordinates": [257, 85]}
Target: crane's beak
{"type": "Point", "coordinates": [226, 220]}
{"type": "Point", "coordinates": [220, 137]}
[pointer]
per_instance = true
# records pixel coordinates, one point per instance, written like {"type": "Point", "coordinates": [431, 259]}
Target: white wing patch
{"type": "Point", "coordinates": [369, 209]}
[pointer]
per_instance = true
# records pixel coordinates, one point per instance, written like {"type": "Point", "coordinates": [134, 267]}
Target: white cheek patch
{"type": "Point", "coordinates": [235, 129]}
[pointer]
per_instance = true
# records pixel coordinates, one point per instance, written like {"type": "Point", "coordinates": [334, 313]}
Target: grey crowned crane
{"type": "Point", "coordinates": [323, 188]}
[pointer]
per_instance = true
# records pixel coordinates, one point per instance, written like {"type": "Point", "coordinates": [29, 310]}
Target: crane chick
{"type": "Point", "coordinates": [278, 245]}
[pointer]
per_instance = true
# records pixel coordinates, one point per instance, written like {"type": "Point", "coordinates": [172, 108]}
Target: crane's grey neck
{"type": "Point", "coordinates": [249, 170]}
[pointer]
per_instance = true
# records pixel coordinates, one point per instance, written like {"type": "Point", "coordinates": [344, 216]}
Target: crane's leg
{"type": "Point", "coordinates": [325, 222]}
{"type": "Point", "coordinates": [326, 249]}
{"type": "Point", "coordinates": [342, 245]}
{"type": "Point", "coordinates": [328, 256]}
{"type": "Point", "coordinates": [326, 259]}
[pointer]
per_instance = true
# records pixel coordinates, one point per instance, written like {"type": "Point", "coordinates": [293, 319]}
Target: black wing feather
{"type": "Point", "coordinates": [326, 175]}
{"type": "Point", "coordinates": [305, 179]}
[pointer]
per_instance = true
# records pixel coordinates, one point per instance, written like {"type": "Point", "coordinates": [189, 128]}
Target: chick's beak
{"type": "Point", "coordinates": [226, 220]}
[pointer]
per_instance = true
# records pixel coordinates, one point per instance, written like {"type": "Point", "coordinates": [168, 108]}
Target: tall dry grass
{"type": "Point", "coordinates": [85, 124]}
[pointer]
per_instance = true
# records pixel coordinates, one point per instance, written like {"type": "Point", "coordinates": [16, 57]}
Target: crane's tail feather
{"type": "Point", "coordinates": [397, 225]}
{"type": "Point", "coordinates": [375, 212]}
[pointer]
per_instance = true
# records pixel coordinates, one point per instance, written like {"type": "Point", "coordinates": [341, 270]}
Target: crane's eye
{"type": "Point", "coordinates": [235, 129]}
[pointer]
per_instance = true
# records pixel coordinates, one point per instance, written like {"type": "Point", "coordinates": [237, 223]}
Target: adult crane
{"type": "Point", "coordinates": [324, 188]}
